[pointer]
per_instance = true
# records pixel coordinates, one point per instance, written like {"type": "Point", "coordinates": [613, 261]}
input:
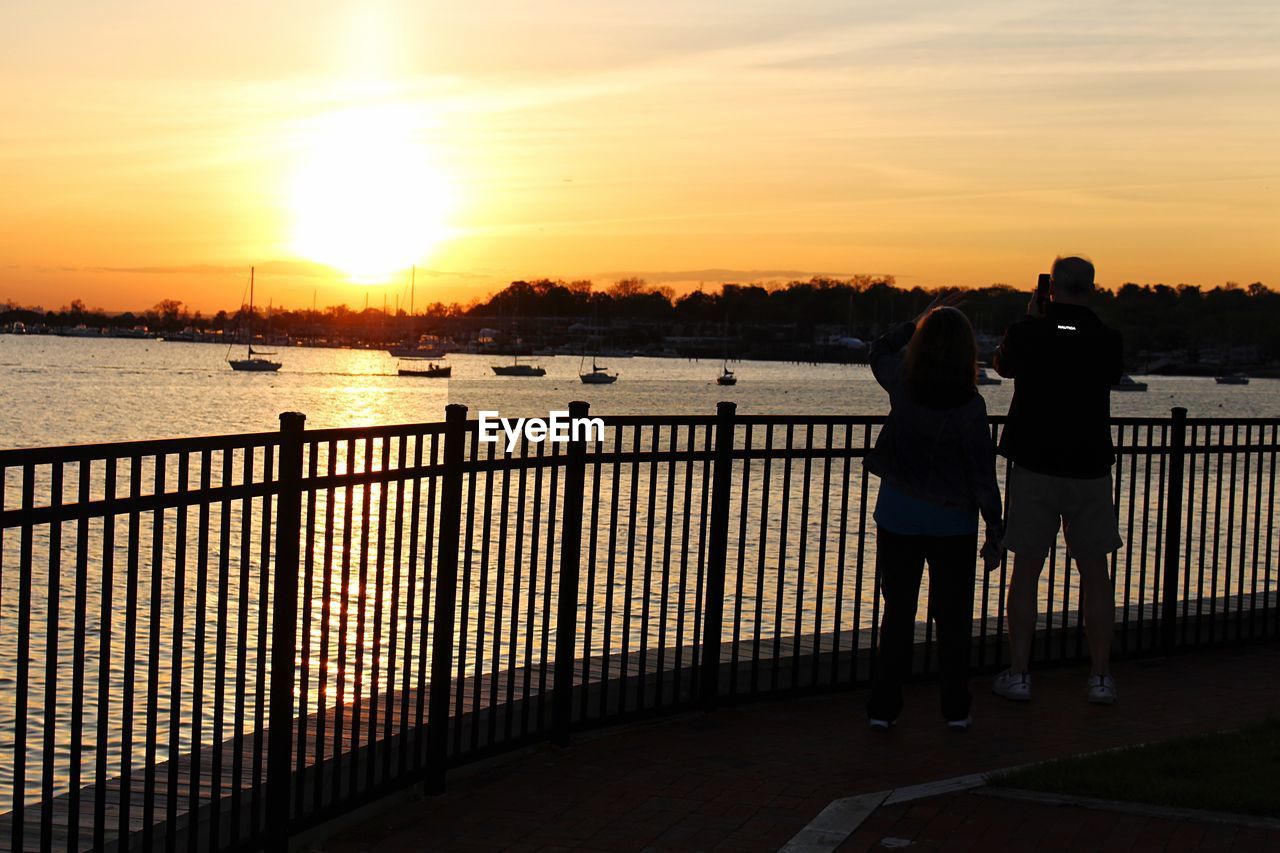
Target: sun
{"type": "Point", "coordinates": [368, 197]}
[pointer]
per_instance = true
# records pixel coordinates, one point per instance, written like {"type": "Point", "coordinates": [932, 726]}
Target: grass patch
{"type": "Point", "coordinates": [1228, 772]}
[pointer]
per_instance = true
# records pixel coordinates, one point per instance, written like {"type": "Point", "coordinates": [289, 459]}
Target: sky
{"type": "Point", "coordinates": [153, 150]}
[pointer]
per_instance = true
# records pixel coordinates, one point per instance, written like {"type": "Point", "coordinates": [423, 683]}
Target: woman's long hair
{"type": "Point", "coordinates": [942, 360]}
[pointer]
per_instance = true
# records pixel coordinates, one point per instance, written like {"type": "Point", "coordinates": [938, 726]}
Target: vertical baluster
{"type": "Point", "coordinates": [629, 575]}
{"type": "Point", "coordinates": [242, 645]}
{"type": "Point", "coordinates": [78, 659]}
{"type": "Point", "coordinates": [588, 621]}
{"type": "Point", "coordinates": [703, 550]}
{"type": "Point", "coordinates": [106, 619]}
{"type": "Point", "coordinates": [258, 817]}
{"type": "Point", "coordinates": [780, 582]}
{"type": "Point", "coordinates": [306, 725]}
{"type": "Point", "coordinates": [647, 581]}
{"type": "Point", "coordinates": [1119, 487]}
{"type": "Point", "coordinates": [1173, 529]}
{"type": "Point", "coordinates": [847, 456]}
{"type": "Point", "coordinates": [22, 677]}
{"type": "Point", "coordinates": [820, 588]}
{"type": "Point", "coordinates": [802, 561]}
{"type": "Point", "coordinates": [744, 493]}
{"type": "Point", "coordinates": [361, 650]}
{"type": "Point", "coordinates": [176, 710]}
{"type": "Point", "coordinates": [548, 587]}
{"type": "Point", "coordinates": [216, 763]}
{"type": "Point", "coordinates": [1257, 537]}
{"type": "Point", "coordinates": [344, 608]}
{"type": "Point", "coordinates": [766, 481]}
{"type": "Point", "coordinates": [50, 721]}
{"type": "Point", "coordinates": [408, 759]}
{"type": "Point", "coordinates": [1204, 522]}
{"type": "Point", "coordinates": [153, 656]}
{"type": "Point", "coordinates": [429, 552]}
{"type": "Point", "coordinates": [372, 750]}
{"type": "Point", "coordinates": [464, 612]}
{"type": "Point", "coordinates": [615, 485]}
{"type": "Point", "coordinates": [397, 554]}
{"type": "Point", "coordinates": [1189, 526]}
{"type": "Point", "coordinates": [326, 622]}
{"type": "Point", "coordinates": [517, 563]}
{"type": "Point", "coordinates": [863, 498]}
{"type": "Point", "coordinates": [501, 571]}
{"type": "Point", "coordinates": [200, 654]}
{"type": "Point", "coordinates": [1244, 522]}
{"type": "Point", "coordinates": [666, 564]}
{"type": "Point", "coordinates": [1271, 508]}
{"type": "Point", "coordinates": [482, 605]}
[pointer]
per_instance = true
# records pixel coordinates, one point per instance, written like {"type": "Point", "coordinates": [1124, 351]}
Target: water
{"type": "Point", "coordinates": [74, 390]}
{"type": "Point", "coordinates": [64, 391]}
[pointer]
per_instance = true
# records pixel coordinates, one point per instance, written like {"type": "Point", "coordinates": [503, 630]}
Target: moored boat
{"type": "Point", "coordinates": [429, 370]}
{"type": "Point", "coordinates": [255, 362]}
{"type": "Point", "coordinates": [599, 375]}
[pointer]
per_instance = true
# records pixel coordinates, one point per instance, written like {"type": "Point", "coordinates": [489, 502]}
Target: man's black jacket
{"type": "Point", "coordinates": [1063, 366]}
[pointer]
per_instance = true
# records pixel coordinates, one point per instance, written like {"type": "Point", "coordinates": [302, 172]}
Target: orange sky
{"type": "Point", "coordinates": [152, 150]}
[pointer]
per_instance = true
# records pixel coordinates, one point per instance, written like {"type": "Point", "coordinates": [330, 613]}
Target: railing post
{"type": "Point", "coordinates": [717, 550]}
{"type": "Point", "coordinates": [1173, 529]}
{"type": "Point", "coordinates": [284, 630]}
{"type": "Point", "coordinates": [570, 569]}
{"type": "Point", "coordinates": [446, 596]}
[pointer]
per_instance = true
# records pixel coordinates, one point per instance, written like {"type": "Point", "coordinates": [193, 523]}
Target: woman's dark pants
{"type": "Point", "coordinates": [900, 563]}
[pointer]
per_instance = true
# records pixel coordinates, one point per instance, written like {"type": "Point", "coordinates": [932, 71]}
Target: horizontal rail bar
{"type": "Point", "coordinates": [126, 449]}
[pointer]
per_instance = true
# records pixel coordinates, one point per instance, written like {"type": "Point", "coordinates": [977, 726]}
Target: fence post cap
{"type": "Point", "coordinates": [1179, 411]}
{"type": "Point", "coordinates": [726, 407]}
{"type": "Point", "coordinates": [455, 411]}
{"type": "Point", "coordinates": [295, 419]}
{"type": "Point", "coordinates": [579, 407]}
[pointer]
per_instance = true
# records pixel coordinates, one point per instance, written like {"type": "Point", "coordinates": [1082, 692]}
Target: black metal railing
{"type": "Point", "coordinates": [215, 643]}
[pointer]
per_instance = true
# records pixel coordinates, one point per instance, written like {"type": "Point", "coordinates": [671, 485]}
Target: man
{"type": "Point", "coordinates": [1063, 361]}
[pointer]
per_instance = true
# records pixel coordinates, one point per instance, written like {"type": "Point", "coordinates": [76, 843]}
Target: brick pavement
{"type": "Point", "coordinates": [750, 777]}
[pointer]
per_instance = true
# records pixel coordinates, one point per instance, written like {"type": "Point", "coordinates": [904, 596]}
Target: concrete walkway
{"type": "Point", "coordinates": [750, 778]}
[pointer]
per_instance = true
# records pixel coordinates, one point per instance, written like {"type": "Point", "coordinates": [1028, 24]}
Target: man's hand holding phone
{"type": "Point", "coordinates": [1039, 304]}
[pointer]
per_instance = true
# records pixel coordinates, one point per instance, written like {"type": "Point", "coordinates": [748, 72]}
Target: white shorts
{"type": "Point", "coordinates": [1037, 503]}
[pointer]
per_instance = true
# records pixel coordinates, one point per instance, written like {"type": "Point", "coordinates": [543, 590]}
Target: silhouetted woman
{"type": "Point", "coordinates": [936, 464]}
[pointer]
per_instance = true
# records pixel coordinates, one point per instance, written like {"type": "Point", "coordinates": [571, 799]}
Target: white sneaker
{"type": "Point", "coordinates": [879, 725]}
{"type": "Point", "coordinates": [1102, 690]}
{"type": "Point", "coordinates": [960, 725]}
{"type": "Point", "coordinates": [1015, 686]}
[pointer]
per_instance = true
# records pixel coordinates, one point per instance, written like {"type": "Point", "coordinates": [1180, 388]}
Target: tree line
{"type": "Point", "coordinates": [1185, 318]}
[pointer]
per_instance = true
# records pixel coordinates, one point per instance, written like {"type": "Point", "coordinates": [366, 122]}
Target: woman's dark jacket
{"type": "Point", "coordinates": [944, 456]}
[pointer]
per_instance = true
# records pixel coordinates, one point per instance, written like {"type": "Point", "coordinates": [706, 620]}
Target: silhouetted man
{"type": "Point", "coordinates": [1063, 361]}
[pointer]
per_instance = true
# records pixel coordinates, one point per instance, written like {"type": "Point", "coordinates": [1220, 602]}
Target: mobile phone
{"type": "Point", "coordinates": [1042, 289]}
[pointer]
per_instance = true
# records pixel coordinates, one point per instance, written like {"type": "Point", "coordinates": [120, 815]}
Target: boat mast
{"type": "Point", "coordinates": [250, 323]}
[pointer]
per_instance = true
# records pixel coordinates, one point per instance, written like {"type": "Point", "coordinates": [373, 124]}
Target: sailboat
{"type": "Point", "coordinates": [726, 376]}
{"type": "Point", "coordinates": [254, 362]}
{"type": "Point", "coordinates": [599, 375]}
{"type": "Point", "coordinates": [518, 369]}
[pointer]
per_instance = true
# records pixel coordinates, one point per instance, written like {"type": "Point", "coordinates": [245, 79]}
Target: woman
{"type": "Point", "coordinates": [936, 464]}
